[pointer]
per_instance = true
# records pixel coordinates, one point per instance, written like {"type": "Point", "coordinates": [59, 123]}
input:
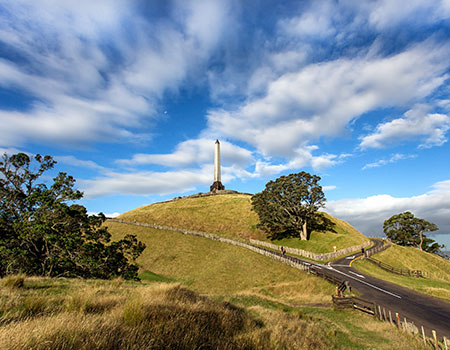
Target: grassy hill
{"type": "Point", "coordinates": [231, 215]}
{"type": "Point", "coordinates": [220, 269]}
{"type": "Point", "coordinates": [437, 269]}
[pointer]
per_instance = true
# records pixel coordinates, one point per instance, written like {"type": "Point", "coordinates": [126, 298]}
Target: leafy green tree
{"type": "Point", "coordinates": [407, 230]}
{"type": "Point", "coordinates": [289, 204]}
{"type": "Point", "coordinates": [41, 233]}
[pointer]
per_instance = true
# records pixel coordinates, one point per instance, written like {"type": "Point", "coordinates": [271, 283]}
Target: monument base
{"type": "Point", "coordinates": [216, 186]}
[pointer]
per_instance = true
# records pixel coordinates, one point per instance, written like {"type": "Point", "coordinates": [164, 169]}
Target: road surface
{"type": "Point", "coordinates": [430, 312]}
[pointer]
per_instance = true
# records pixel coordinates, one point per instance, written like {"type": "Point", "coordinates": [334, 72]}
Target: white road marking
{"type": "Point", "coordinates": [350, 257]}
{"type": "Point", "coordinates": [340, 265]}
{"type": "Point", "coordinates": [356, 274]}
{"type": "Point", "coordinates": [370, 285]}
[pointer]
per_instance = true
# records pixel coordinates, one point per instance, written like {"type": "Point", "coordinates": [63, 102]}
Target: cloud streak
{"type": "Point", "coordinates": [417, 123]}
{"type": "Point", "coordinates": [368, 214]}
{"type": "Point", "coordinates": [321, 99]}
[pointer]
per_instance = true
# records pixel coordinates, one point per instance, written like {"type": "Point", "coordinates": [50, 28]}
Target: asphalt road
{"type": "Point", "coordinates": [430, 312]}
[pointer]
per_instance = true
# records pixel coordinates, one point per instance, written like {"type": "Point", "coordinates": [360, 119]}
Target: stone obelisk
{"type": "Point", "coordinates": [217, 184]}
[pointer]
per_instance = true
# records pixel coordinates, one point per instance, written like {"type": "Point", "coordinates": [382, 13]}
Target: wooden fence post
{"type": "Point", "coordinates": [399, 324]}
{"type": "Point", "coordinates": [424, 338]}
{"type": "Point", "coordinates": [445, 343]}
{"type": "Point", "coordinates": [384, 314]}
{"type": "Point", "coordinates": [436, 344]}
{"type": "Point", "coordinates": [379, 312]}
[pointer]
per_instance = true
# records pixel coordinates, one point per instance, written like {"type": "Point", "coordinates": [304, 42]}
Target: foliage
{"type": "Point", "coordinates": [407, 230]}
{"type": "Point", "coordinates": [289, 204]}
{"type": "Point", "coordinates": [41, 234]}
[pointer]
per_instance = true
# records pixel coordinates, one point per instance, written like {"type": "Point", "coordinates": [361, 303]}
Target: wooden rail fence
{"type": "Point", "coordinates": [253, 242]}
{"type": "Point", "coordinates": [291, 261]}
{"type": "Point", "coordinates": [384, 266]}
{"type": "Point", "coordinates": [371, 251]}
{"type": "Point", "coordinates": [311, 255]}
{"type": "Point", "coordinates": [394, 319]}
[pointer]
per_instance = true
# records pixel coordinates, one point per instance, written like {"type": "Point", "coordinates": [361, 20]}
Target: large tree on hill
{"type": "Point", "coordinates": [289, 204]}
{"type": "Point", "coordinates": [41, 233]}
{"type": "Point", "coordinates": [407, 230]}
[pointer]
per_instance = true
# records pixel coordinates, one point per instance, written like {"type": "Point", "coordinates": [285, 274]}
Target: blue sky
{"type": "Point", "coordinates": [129, 97]}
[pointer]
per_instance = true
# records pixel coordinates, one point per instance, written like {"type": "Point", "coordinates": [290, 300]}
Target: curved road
{"type": "Point", "coordinates": [430, 312]}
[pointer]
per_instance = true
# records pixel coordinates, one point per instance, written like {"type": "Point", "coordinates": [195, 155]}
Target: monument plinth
{"type": "Point", "coordinates": [217, 184]}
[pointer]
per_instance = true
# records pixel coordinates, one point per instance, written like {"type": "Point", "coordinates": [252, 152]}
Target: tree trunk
{"type": "Point", "coordinates": [304, 232]}
{"type": "Point", "coordinates": [421, 241]}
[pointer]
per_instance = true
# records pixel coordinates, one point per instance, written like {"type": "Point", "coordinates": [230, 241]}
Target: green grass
{"type": "Point", "coordinates": [437, 269]}
{"type": "Point", "coordinates": [231, 215]}
{"type": "Point", "coordinates": [214, 268]}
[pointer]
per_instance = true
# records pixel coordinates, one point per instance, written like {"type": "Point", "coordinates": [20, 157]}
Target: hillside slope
{"type": "Point", "coordinates": [231, 215]}
{"type": "Point", "coordinates": [214, 268]}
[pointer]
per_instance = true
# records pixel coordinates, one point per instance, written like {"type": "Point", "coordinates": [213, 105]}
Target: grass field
{"type": "Point", "coordinates": [42, 313]}
{"type": "Point", "coordinates": [215, 268]}
{"type": "Point", "coordinates": [231, 215]}
{"type": "Point", "coordinates": [437, 269]}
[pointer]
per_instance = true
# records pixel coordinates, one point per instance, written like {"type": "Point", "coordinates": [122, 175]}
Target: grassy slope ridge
{"type": "Point", "coordinates": [231, 215]}
{"type": "Point", "coordinates": [78, 314]}
{"type": "Point", "coordinates": [215, 268]}
{"type": "Point", "coordinates": [437, 268]}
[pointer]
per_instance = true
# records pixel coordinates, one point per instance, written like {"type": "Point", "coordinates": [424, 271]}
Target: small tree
{"type": "Point", "coordinates": [289, 203]}
{"type": "Point", "coordinates": [41, 234]}
{"type": "Point", "coordinates": [407, 230]}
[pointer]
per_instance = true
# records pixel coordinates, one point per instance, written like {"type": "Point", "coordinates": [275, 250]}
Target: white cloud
{"type": "Point", "coordinates": [316, 22]}
{"type": "Point", "coordinates": [108, 215]}
{"type": "Point", "coordinates": [368, 214]}
{"type": "Point", "coordinates": [321, 99]}
{"type": "Point", "coordinates": [71, 160]}
{"type": "Point", "coordinates": [145, 183]}
{"type": "Point", "coordinates": [417, 123]}
{"type": "Point", "coordinates": [329, 188]}
{"type": "Point", "coordinates": [90, 82]}
{"type": "Point", "coordinates": [195, 152]}
{"type": "Point", "coordinates": [393, 159]}
{"type": "Point", "coordinates": [387, 14]}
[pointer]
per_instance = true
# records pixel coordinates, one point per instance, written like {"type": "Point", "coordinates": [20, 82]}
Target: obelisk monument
{"type": "Point", "coordinates": [217, 184]}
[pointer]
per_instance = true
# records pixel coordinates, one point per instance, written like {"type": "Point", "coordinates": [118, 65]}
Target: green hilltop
{"type": "Point", "coordinates": [231, 215]}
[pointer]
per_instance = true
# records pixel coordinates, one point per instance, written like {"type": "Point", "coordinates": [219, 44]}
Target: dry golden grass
{"type": "Point", "coordinates": [78, 314]}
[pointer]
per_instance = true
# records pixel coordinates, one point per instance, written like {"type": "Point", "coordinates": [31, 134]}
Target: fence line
{"type": "Point", "coordinates": [311, 255]}
{"type": "Point", "coordinates": [394, 319]}
{"type": "Point", "coordinates": [371, 251]}
{"type": "Point", "coordinates": [301, 252]}
{"type": "Point", "coordinates": [260, 250]}
{"type": "Point", "coordinates": [386, 267]}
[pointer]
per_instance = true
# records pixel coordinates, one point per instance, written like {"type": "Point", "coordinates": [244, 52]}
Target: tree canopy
{"type": "Point", "coordinates": [41, 233]}
{"type": "Point", "coordinates": [289, 204]}
{"type": "Point", "coordinates": [407, 230]}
